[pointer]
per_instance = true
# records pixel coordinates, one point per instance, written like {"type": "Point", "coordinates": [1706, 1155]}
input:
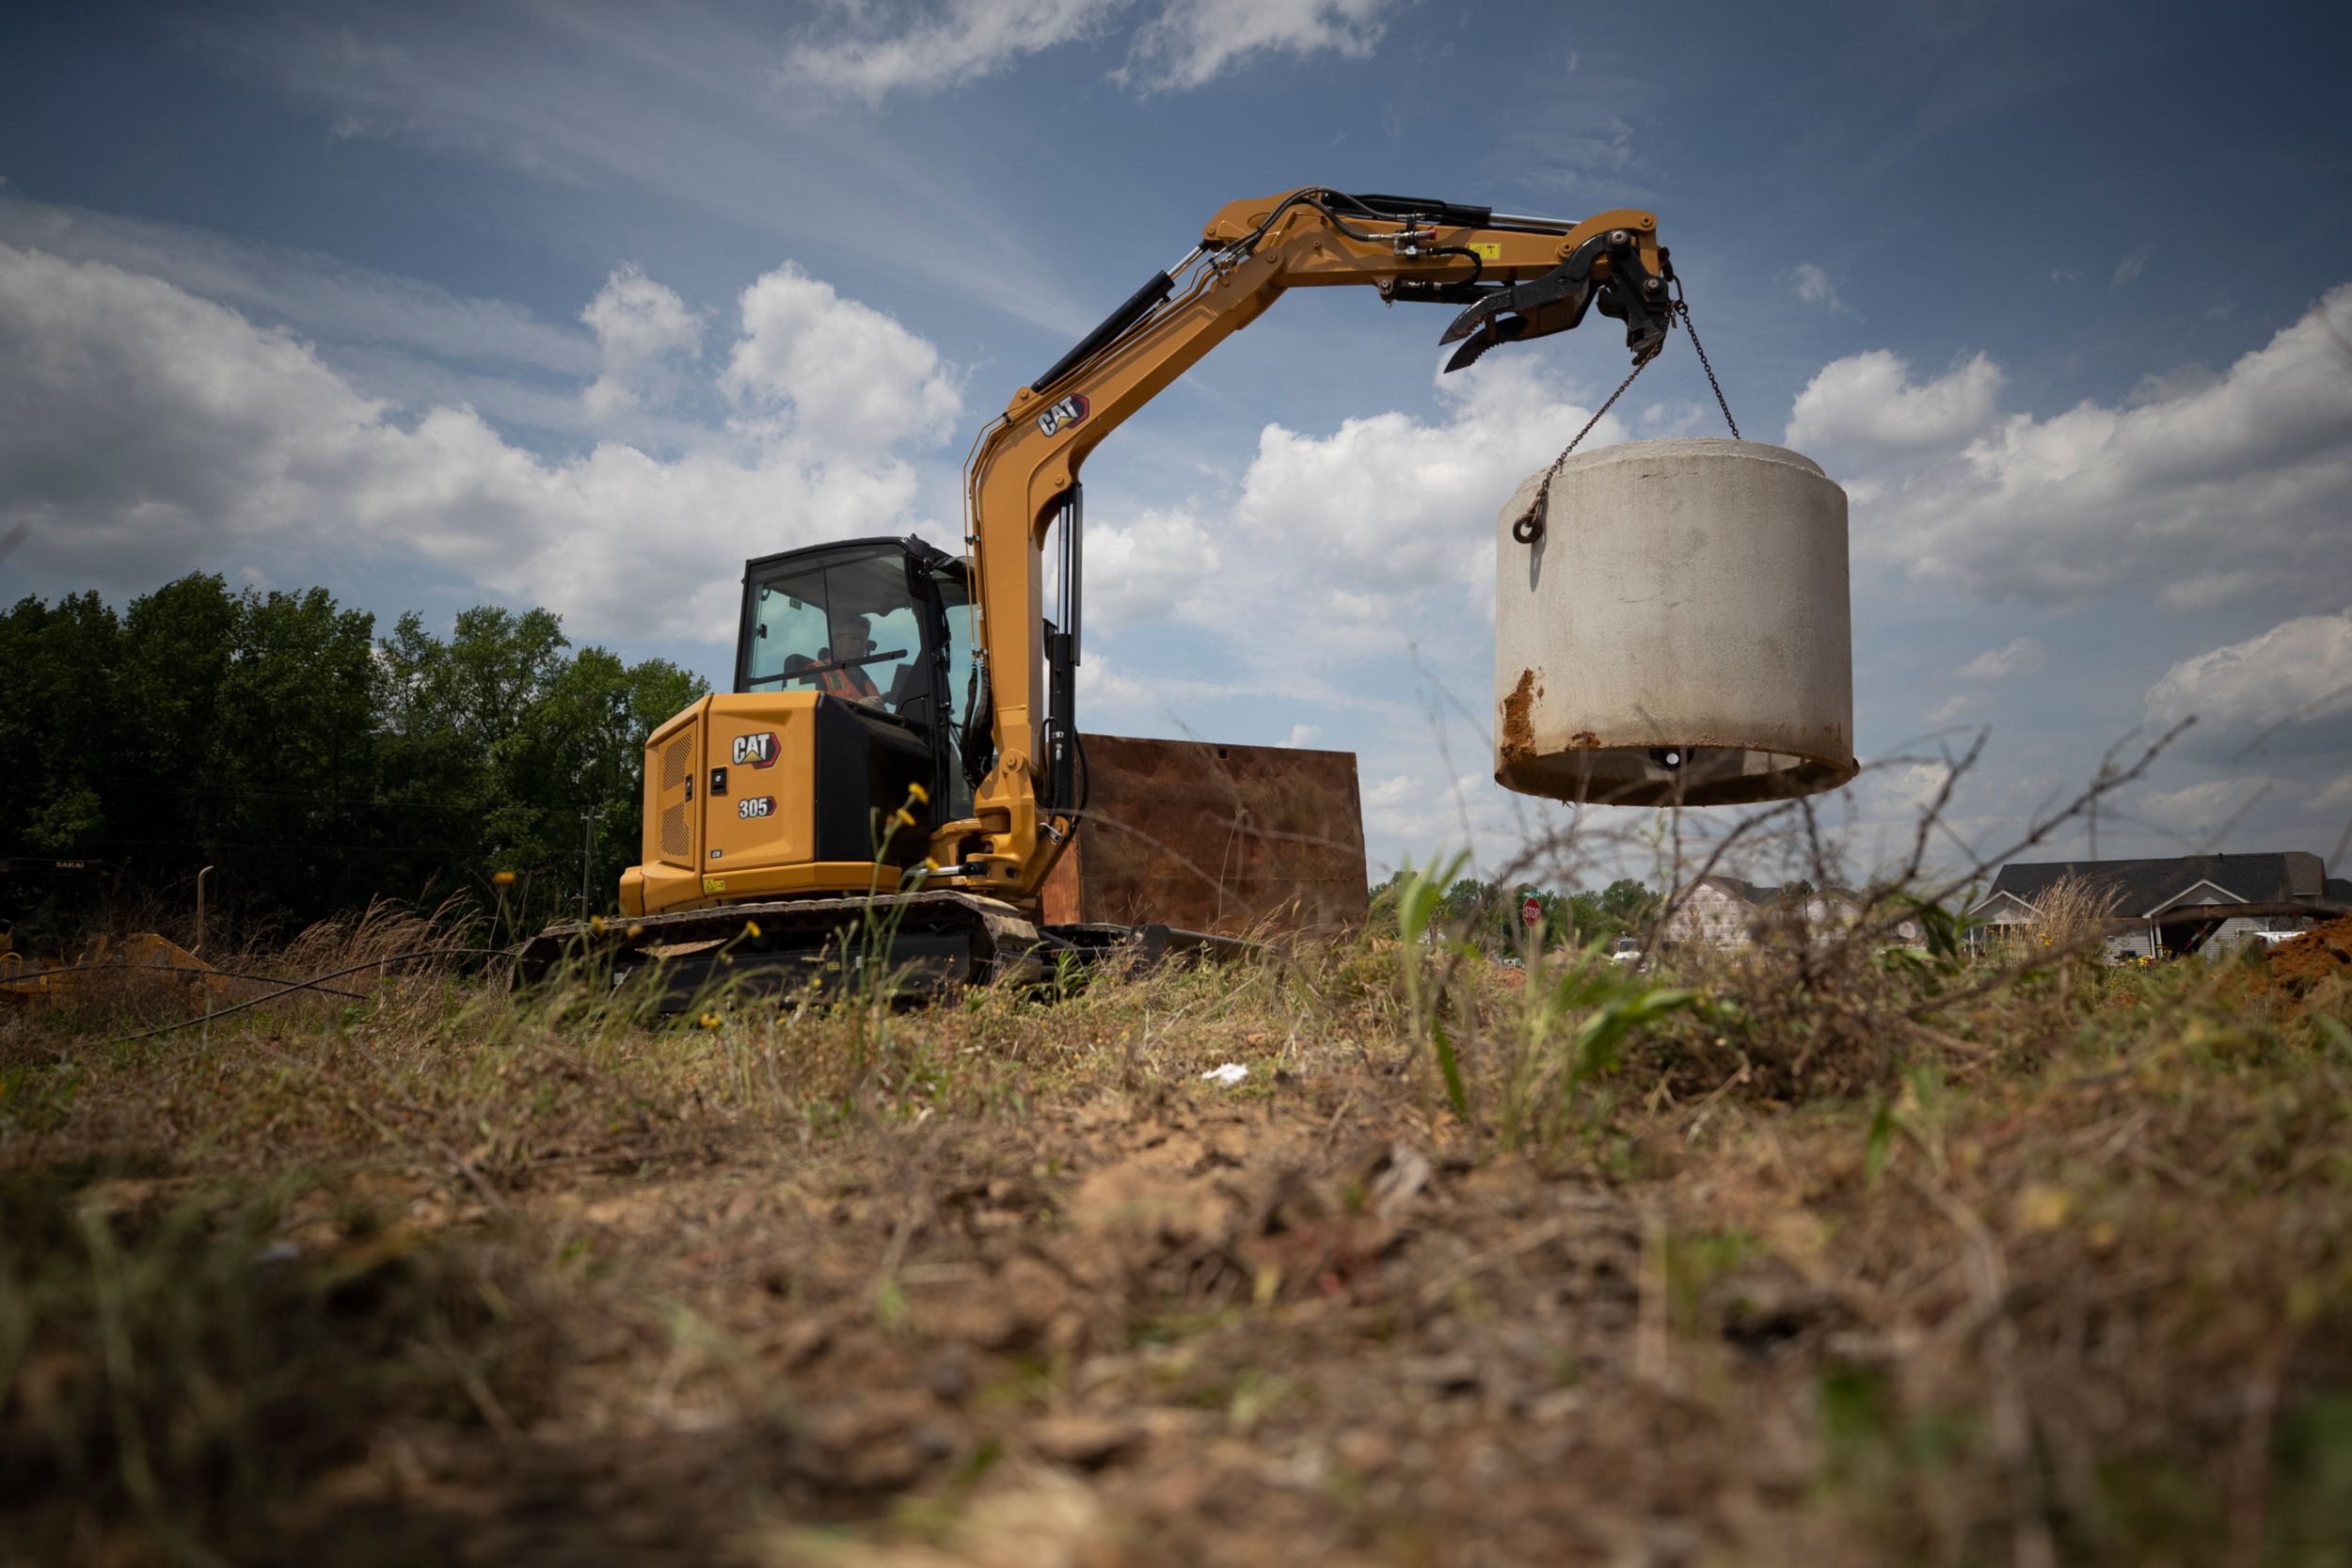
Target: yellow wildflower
{"type": "Point", "coordinates": [750, 927]}
{"type": "Point", "coordinates": [921, 797]}
{"type": "Point", "coordinates": [504, 878]}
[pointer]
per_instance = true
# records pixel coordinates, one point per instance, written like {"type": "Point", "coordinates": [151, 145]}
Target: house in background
{"type": "Point", "coordinates": [2178, 903]}
{"type": "Point", "coordinates": [1716, 911]}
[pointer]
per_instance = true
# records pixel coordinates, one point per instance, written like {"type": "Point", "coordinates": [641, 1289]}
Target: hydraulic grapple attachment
{"type": "Point", "coordinates": [1606, 270]}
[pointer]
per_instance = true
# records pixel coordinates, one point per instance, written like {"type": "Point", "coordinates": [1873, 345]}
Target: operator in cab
{"type": "Point", "coordinates": [852, 640]}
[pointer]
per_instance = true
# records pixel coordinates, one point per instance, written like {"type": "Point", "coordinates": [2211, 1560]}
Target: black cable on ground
{"type": "Point", "coordinates": [178, 968]}
{"type": "Point", "coordinates": [330, 974]}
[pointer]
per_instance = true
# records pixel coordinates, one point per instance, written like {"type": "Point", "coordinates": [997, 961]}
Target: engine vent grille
{"type": "Point", "coordinates": [675, 845]}
{"type": "Point", "coordinates": [674, 760]}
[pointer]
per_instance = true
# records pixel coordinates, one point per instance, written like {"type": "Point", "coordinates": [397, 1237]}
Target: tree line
{"type": "Point", "coordinates": [313, 764]}
{"type": "Point", "coordinates": [1491, 916]}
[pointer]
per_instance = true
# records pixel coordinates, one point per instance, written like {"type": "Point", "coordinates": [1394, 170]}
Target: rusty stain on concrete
{"type": "Point", "coordinates": [1519, 731]}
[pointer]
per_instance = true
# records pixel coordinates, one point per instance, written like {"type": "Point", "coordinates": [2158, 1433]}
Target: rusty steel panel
{"type": "Point", "coordinates": [1237, 840]}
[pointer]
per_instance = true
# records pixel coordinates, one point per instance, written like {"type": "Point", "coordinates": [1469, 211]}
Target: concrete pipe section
{"type": "Point", "coordinates": [1678, 632]}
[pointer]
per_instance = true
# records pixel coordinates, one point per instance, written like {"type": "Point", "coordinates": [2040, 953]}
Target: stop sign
{"type": "Point", "coordinates": [1531, 913]}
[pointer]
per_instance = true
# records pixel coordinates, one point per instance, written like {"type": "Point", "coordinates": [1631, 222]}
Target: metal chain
{"type": "Point", "coordinates": [1682, 307]}
{"type": "Point", "coordinates": [1529, 527]}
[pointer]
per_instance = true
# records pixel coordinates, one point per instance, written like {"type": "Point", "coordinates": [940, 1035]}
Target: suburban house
{"type": "Point", "coordinates": [1716, 911]}
{"type": "Point", "coordinates": [2180, 902]}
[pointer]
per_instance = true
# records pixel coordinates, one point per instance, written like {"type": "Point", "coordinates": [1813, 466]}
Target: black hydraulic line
{"type": "Point", "coordinates": [1062, 658]}
{"type": "Point", "coordinates": [1449, 212]}
{"type": "Point", "coordinates": [1139, 305]}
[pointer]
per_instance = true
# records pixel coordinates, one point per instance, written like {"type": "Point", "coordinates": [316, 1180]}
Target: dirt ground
{"type": "Point", "coordinates": [441, 1279]}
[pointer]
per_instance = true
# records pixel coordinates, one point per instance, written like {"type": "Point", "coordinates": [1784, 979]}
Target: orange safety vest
{"type": "Point", "coordinates": [850, 682]}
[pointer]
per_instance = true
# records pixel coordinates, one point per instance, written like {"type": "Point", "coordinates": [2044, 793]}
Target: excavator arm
{"type": "Point", "coordinates": [1513, 278]}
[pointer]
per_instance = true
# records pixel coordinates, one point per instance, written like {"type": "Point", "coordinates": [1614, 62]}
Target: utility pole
{"type": "Point", "coordinates": [587, 854]}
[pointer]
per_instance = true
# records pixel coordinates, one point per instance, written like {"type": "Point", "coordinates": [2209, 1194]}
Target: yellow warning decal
{"type": "Point", "coordinates": [1489, 251]}
{"type": "Point", "coordinates": [714, 884]}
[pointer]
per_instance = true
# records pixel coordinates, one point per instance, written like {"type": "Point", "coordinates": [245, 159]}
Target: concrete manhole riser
{"type": "Point", "coordinates": [1681, 630]}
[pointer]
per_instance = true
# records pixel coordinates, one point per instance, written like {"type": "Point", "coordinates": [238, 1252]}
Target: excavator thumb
{"type": "Point", "coordinates": [1556, 302]}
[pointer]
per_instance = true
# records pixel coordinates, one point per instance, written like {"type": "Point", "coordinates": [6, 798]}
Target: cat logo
{"type": "Point", "coordinates": [1064, 414]}
{"type": "Point", "coordinates": [757, 751]}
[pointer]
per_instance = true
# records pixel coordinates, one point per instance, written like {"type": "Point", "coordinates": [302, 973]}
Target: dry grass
{"type": "Point", "coordinates": [1822, 1252]}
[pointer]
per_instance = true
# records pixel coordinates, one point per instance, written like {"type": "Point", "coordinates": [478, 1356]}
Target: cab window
{"type": "Point", "coordinates": [849, 628]}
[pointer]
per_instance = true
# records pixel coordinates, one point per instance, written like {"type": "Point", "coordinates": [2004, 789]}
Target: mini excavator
{"type": "Point", "coordinates": [901, 738]}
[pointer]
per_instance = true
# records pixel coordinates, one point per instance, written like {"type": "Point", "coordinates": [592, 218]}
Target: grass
{"type": "Point", "coordinates": [1815, 1252]}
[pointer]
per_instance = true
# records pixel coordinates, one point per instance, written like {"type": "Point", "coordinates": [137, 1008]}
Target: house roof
{"type": "Point", "coordinates": [2144, 886]}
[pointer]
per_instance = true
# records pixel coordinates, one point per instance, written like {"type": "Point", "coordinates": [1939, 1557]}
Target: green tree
{"type": "Point", "coordinates": [61, 728]}
{"type": "Point", "coordinates": [295, 754]}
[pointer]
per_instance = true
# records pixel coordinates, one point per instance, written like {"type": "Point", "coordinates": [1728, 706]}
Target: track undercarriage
{"type": "Point", "coordinates": [911, 944]}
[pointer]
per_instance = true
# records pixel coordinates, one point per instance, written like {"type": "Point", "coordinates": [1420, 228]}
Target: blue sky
{"type": "Point", "coordinates": [583, 306]}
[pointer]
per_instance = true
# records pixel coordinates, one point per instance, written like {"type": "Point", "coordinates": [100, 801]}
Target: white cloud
{"type": "Point", "coordinates": [1386, 524]}
{"type": "Point", "coordinates": [2018, 656]}
{"type": "Point", "coordinates": [2205, 812]}
{"type": "Point", "coordinates": [1814, 287]}
{"type": "Point", "coordinates": [2130, 266]}
{"type": "Point", "coordinates": [1869, 401]}
{"type": "Point", "coordinates": [1954, 707]}
{"type": "Point", "coordinates": [1142, 569]}
{"type": "Point", "coordinates": [834, 370]}
{"type": "Point", "coordinates": [1188, 44]}
{"type": "Point", "coordinates": [645, 333]}
{"type": "Point", "coordinates": [959, 41]}
{"type": "Point", "coordinates": [2337, 792]}
{"type": "Point", "coordinates": [145, 431]}
{"type": "Point", "coordinates": [2208, 492]}
{"type": "Point", "coordinates": [2297, 674]}
{"type": "Point", "coordinates": [1904, 788]}
{"type": "Point", "coordinates": [1193, 42]}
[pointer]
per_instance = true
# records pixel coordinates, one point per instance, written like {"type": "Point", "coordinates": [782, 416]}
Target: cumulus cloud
{"type": "Point", "coordinates": [145, 430]}
{"type": "Point", "coordinates": [2205, 812]}
{"type": "Point", "coordinates": [1869, 401]}
{"type": "Point", "coordinates": [960, 42]}
{"type": "Point", "coordinates": [2204, 491]}
{"type": "Point", "coordinates": [1143, 568]}
{"type": "Point", "coordinates": [1193, 42]}
{"type": "Point", "coordinates": [2294, 679]}
{"type": "Point", "coordinates": [1386, 524]}
{"type": "Point", "coordinates": [834, 370]}
{"type": "Point", "coordinates": [2018, 656]}
{"type": "Point", "coordinates": [645, 334]}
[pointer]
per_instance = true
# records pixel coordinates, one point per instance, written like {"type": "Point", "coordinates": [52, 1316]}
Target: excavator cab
{"type": "Point", "coordinates": [850, 661]}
